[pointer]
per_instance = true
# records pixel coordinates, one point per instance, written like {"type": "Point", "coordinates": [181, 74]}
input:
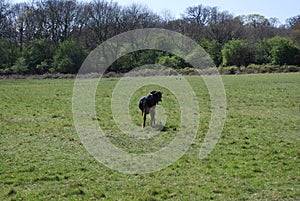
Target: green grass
{"type": "Point", "coordinates": [256, 158]}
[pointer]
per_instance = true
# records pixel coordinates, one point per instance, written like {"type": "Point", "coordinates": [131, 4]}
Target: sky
{"type": "Point", "coordinates": [281, 9]}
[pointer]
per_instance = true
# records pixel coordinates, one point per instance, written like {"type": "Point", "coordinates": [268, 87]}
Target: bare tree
{"type": "Point", "coordinates": [258, 26]}
{"type": "Point", "coordinates": [294, 26]}
{"type": "Point", "coordinates": [138, 16]}
{"type": "Point", "coordinates": [224, 27]}
{"type": "Point", "coordinates": [103, 20]}
{"type": "Point", "coordinates": [294, 22]}
{"type": "Point", "coordinates": [4, 18]}
{"type": "Point", "coordinates": [200, 15]}
{"type": "Point", "coordinates": [57, 18]}
{"type": "Point", "coordinates": [198, 18]}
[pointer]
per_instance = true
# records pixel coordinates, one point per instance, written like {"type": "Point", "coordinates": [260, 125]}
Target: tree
{"type": "Point", "coordinates": [20, 66]}
{"type": "Point", "coordinates": [52, 19]}
{"type": "Point", "coordinates": [4, 52]}
{"type": "Point", "coordinates": [213, 48]}
{"type": "Point", "coordinates": [294, 22]}
{"type": "Point", "coordinates": [262, 55]}
{"type": "Point", "coordinates": [137, 16]}
{"type": "Point", "coordinates": [237, 52]}
{"type": "Point", "coordinates": [178, 25]}
{"type": "Point", "coordinates": [198, 17]}
{"type": "Point", "coordinates": [171, 61]}
{"type": "Point", "coordinates": [38, 52]}
{"type": "Point", "coordinates": [8, 55]}
{"type": "Point", "coordinates": [294, 27]}
{"type": "Point", "coordinates": [282, 51]}
{"type": "Point", "coordinates": [135, 59]}
{"type": "Point", "coordinates": [224, 27]}
{"type": "Point", "coordinates": [68, 58]}
{"type": "Point", "coordinates": [103, 20]}
{"type": "Point", "coordinates": [56, 34]}
{"type": "Point", "coordinates": [4, 18]}
{"type": "Point", "coordinates": [258, 27]}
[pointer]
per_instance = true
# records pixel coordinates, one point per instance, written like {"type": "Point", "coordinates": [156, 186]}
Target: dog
{"type": "Point", "coordinates": [147, 105]}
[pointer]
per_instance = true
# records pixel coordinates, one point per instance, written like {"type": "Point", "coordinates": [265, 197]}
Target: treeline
{"type": "Point", "coordinates": [55, 36]}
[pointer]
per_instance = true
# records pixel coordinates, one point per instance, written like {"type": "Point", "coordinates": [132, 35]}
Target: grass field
{"type": "Point", "coordinates": [256, 158]}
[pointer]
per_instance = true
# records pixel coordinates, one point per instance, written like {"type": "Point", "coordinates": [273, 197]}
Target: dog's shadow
{"type": "Point", "coordinates": [161, 128]}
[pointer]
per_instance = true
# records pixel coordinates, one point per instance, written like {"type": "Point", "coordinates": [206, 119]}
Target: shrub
{"type": "Point", "coordinates": [38, 54]}
{"type": "Point", "coordinates": [20, 66]}
{"type": "Point", "coordinates": [68, 58]}
{"type": "Point", "coordinates": [282, 51]}
{"type": "Point", "coordinates": [238, 52]}
{"type": "Point", "coordinates": [170, 61]}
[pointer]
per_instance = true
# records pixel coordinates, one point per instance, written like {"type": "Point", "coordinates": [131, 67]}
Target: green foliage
{"type": "Point", "coordinates": [8, 54]}
{"type": "Point", "coordinates": [20, 66]}
{"type": "Point", "coordinates": [135, 59]}
{"type": "Point", "coordinates": [187, 71]}
{"type": "Point", "coordinates": [262, 55]}
{"type": "Point", "coordinates": [146, 57]}
{"type": "Point", "coordinates": [69, 57]}
{"type": "Point", "coordinates": [125, 63]}
{"type": "Point", "coordinates": [150, 56]}
{"type": "Point", "coordinates": [4, 47]}
{"type": "Point", "coordinates": [237, 52]}
{"type": "Point", "coordinates": [213, 48]}
{"type": "Point", "coordinates": [43, 67]}
{"type": "Point", "coordinates": [282, 51]}
{"type": "Point", "coordinates": [296, 36]}
{"type": "Point", "coordinates": [277, 50]}
{"type": "Point", "coordinates": [256, 20]}
{"type": "Point", "coordinates": [171, 61]}
{"type": "Point", "coordinates": [48, 33]}
{"type": "Point", "coordinates": [38, 55]}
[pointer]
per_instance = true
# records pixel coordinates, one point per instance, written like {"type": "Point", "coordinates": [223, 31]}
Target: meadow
{"type": "Point", "coordinates": [256, 158]}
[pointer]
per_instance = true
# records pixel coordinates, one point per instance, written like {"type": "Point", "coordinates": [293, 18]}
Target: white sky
{"type": "Point", "coordinates": [281, 9]}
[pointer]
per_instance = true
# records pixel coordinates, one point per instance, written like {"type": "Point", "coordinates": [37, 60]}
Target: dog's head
{"type": "Point", "coordinates": [157, 95]}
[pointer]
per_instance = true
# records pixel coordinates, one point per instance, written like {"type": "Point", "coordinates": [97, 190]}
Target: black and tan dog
{"type": "Point", "coordinates": [147, 105]}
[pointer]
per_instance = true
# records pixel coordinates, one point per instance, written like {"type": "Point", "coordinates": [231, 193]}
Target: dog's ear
{"type": "Point", "coordinates": [153, 92]}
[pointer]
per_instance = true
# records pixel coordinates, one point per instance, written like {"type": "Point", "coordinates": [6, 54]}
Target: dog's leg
{"type": "Point", "coordinates": [152, 115]}
{"type": "Point", "coordinates": [144, 119]}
